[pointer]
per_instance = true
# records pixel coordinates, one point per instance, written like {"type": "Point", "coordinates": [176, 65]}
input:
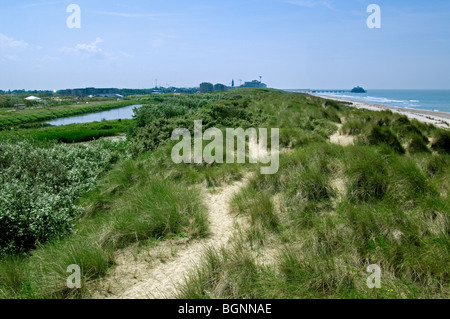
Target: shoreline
{"type": "Point", "coordinates": [439, 119]}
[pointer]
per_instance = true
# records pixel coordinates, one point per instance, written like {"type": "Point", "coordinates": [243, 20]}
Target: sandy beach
{"type": "Point", "coordinates": [439, 119]}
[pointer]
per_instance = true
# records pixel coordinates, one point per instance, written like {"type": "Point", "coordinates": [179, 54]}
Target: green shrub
{"type": "Point", "coordinates": [353, 127]}
{"type": "Point", "coordinates": [39, 187]}
{"type": "Point", "coordinates": [258, 206]}
{"type": "Point", "coordinates": [442, 142]}
{"type": "Point", "coordinates": [368, 175]}
{"type": "Point", "coordinates": [437, 165]}
{"type": "Point", "coordinates": [334, 104]}
{"type": "Point", "coordinates": [315, 185]}
{"type": "Point", "coordinates": [294, 138]}
{"type": "Point", "coordinates": [384, 135]}
{"type": "Point", "coordinates": [154, 130]}
{"type": "Point", "coordinates": [407, 181]}
{"type": "Point", "coordinates": [147, 114]}
{"type": "Point", "coordinates": [411, 130]}
{"type": "Point", "coordinates": [417, 145]}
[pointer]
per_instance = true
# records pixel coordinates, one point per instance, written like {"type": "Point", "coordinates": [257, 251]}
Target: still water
{"type": "Point", "coordinates": [124, 113]}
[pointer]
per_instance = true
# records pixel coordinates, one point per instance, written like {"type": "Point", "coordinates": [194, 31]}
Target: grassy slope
{"type": "Point", "coordinates": [392, 210]}
{"type": "Point", "coordinates": [332, 211]}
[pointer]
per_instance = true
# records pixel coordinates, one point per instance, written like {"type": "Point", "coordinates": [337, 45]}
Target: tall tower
{"type": "Point", "coordinates": [232, 83]}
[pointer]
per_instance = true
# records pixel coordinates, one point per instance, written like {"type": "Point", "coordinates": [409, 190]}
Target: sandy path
{"type": "Point", "coordinates": [343, 140]}
{"type": "Point", "coordinates": [160, 281]}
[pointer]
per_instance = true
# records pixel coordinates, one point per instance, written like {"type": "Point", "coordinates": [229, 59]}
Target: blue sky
{"type": "Point", "coordinates": [291, 43]}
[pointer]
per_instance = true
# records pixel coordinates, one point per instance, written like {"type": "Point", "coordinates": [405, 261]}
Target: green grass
{"type": "Point", "coordinates": [401, 224]}
{"type": "Point", "coordinates": [312, 228]}
{"type": "Point", "coordinates": [73, 133]}
{"type": "Point", "coordinates": [393, 212]}
{"type": "Point", "coordinates": [154, 212]}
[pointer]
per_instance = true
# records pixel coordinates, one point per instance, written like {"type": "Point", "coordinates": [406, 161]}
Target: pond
{"type": "Point", "coordinates": [124, 113]}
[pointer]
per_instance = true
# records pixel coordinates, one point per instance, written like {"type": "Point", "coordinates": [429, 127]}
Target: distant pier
{"type": "Point", "coordinates": [321, 91]}
{"type": "Point", "coordinates": [329, 91]}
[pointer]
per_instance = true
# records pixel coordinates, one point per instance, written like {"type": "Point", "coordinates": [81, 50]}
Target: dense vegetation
{"type": "Point", "coordinates": [40, 185]}
{"type": "Point", "coordinates": [156, 122]}
{"type": "Point", "coordinates": [313, 228]}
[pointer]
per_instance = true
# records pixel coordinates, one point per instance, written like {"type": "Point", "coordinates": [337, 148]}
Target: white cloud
{"type": "Point", "coordinates": [93, 50]}
{"type": "Point", "coordinates": [9, 43]}
{"type": "Point", "coordinates": [132, 15]}
{"type": "Point", "coordinates": [84, 48]}
{"type": "Point", "coordinates": [310, 3]}
{"type": "Point", "coordinates": [127, 55]}
{"type": "Point", "coordinates": [39, 4]}
{"type": "Point", "coordinates": [12, 58]}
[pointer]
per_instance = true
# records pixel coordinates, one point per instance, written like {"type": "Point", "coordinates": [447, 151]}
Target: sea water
{"type": "Point", "coordinates": [430, 100]}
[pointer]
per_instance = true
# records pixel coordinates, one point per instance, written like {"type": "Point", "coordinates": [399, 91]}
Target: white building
{"type": "Point", "coordinates": [32, 98]}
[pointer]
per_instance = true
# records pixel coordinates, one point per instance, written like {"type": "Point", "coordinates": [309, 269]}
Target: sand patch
{"type": "Point", "coordinates": [156, 273]}
{"type": "Point", "coordinates": [339, 185]}
{"type": "Point", "coordinates": [343, 140]}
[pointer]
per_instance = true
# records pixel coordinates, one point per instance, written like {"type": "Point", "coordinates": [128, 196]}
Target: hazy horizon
{"type": "Point", "coordinates": [293, 44]}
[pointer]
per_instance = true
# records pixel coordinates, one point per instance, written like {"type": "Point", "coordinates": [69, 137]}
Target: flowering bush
{"type": "Point", "coordinates": [40, 185]}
